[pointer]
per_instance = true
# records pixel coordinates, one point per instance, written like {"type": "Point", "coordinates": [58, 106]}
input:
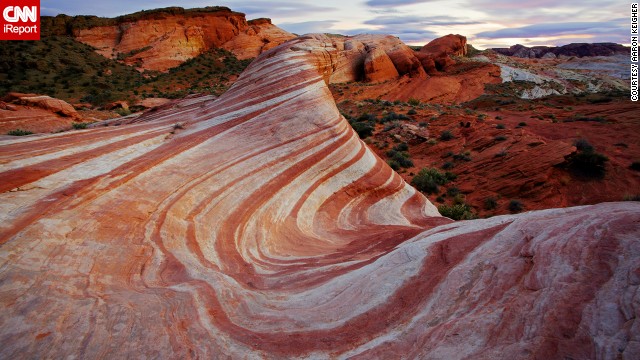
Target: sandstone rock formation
{"type": "Point", "coordinates": [373, 58]}
{"type": "Point", "coordinates": [258, 225]}
{"type": "Point", "coordinates": [45, 102]}
{"type": "Point", "coordinates": [35, 113]}
{"type": "Point", "coordinates": [165, 38]}
{"type": "Point", "coordinates": [436, 55]}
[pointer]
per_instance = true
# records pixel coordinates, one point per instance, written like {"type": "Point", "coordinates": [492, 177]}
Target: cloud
{"type": "Point", "coordinates": [45, 11]}
{"type": "Point", "coordinates": [537, 4]}
{"type": "Point", "coordinates": [551, 29]}
{"type": "Point", "coordinates": [276, 8]}
{"type": "Point", "coordinates": [306, 27]}
{"type": "Point", "coordinates": [119, 7]}
{"type": "Point", "coordinates": [419, 20]}
{"type": "Point", "coordinates": [391, 3]}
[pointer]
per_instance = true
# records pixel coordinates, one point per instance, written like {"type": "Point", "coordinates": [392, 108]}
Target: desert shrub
{"type": "Point", "coordinates": [446, 135]}
{"type": "Point", "coordinates": [392, 116]}
{"type": "Point", "coordinates": [453, 191]}
{"type": "Point", "coordinates": [500, 126]}
{"type": "Point", "coordinates": [515, 206]}
{"type": "Point", "coordinates": [522, 124]}
{"type": "Point", "coordinates": [401, 147]}
{"type": "Point", "coordinates": [366, 117]}
{"type": "Point", "coordinates": [589, 163]}
{"type": "Point", "coordinates": [79, 125]}
{"type": "Point", "coordinates": [448, 165]}
{"type": "Point", "coordinates": [19, 132]}
{"type": "Point", "coordinates": [413, 102]}
{"type": "Point", "coordinates": [579, 117]}
{"type": "Point", "coordinates": [631, 198]}
{"type": "Point", "coordinates": [394, 165]}
{"type": "Point", "coordinates": [583, 145]}
{"type": "Point", "coordinates": [123, 112]}
{"type": "Point", "coordinates": [463, 156]}
{"type": "Point", "coordinates": [412, 112]}
{"type": "Point", "coordinates": [402, 158]}
{"type": "Point", "coordinates": [457, 212]}
{"type": "Point", "coordinates": [423, 124]}
{"type": "Point", "coordinates": [429, 180]}
{"type": "Point", "coordinates": [363, 129]}
{"type": "Point", "coordinates": [500, 138]}
{"type": "Point", "coordinates": [490, 203]}
{"type": "Point", "coordinates": [635, 166]}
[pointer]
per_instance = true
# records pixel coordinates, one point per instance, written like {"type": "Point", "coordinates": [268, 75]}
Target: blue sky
{"type": "Point", "coordinates": [486, 23]}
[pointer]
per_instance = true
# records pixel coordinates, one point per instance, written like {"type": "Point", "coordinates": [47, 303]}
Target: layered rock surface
{"type": "Point", "coordinates": [160, 40]}
{"type": "Point", "coordinates": [258, 225]}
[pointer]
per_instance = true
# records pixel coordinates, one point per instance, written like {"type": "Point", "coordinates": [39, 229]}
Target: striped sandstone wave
{"type": "Point", "coordinates": [258, 225]}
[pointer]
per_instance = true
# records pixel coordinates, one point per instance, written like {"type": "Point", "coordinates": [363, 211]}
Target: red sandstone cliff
{"type": "Point", "coordinates": [161, 40]}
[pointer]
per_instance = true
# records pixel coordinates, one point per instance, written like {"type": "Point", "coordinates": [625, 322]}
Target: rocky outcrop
{"type": "Point", "coordinates": [165, 38]}
{"type": "Point", "coordinates": [259, 225]}
{"type": "Point", "coordinates": [44, 102]}
{"type": "Point", "coordinates": [35, 113]}
{"type": "Point", "coordinates": [379, 67]}
{"type": "Point", "coordinates": [373, 58]}
{"type": "Point", "coordinates": [260, 35]}
{"type": "Point", "coordinates": [436, 55]}
{"type": "Point", "coordinates": [574, 49]}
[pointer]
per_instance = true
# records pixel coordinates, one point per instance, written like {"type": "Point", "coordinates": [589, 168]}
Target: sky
{"type": "Point", "coordinates": [485, 23]}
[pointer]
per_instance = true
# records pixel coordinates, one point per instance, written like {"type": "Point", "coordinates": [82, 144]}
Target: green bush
{"type": "Point", "coordinates": [589, 163]}
{"type": "Point", "coordinates": [453, 191]}
{"type": "Point", "coordinates": [583, 145]}
{"type": "Point", "coordinates": [401, 147]}
{"type": "Point", "coordinates": [448, 165]}
{"type": "Point", "coordinates": [515, 206]}
{"type": "Point", "coordinates": [500, 138]}
{"type": "Point", "coordinates": [363, 129]}
{"type": "Point", "coordinates": [402, 158]}
{"type": "Point", "coordinates": [500, 126]}
{"type": "Point", "coordinates": [446, 135]}
{"type": "Point", "coordinates": [19, 132]}
{"type": "Point", "coordinates": [428, 180]}
{"type": "Point", "coordinates": [457, 212]}
{"type": "Point", "coordinates": [79, 126]}
{"type": "Point", "coordinates": [463, 156]}
{"type": "Point", "coordinates": [490, 203]}
{"type": "Point", "coordinates": [123, 112]}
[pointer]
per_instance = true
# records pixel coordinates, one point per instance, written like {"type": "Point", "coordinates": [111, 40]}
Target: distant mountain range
{"type": "Point", "coordinates": [575, 49]}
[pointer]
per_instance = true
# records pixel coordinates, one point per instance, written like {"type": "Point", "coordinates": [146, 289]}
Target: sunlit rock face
{"type": "Point", "coordinates": [162, 40]}
{"type": "Point", "coordinates": [258, 225]}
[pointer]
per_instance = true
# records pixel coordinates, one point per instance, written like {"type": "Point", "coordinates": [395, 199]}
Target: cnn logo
{"type": "Point", "coordinates": [20, 20]}
{"type": "Point", "coordinates": [15, 13]}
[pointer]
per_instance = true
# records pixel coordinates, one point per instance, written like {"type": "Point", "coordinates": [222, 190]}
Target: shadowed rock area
{"type": "Point", "coordinates": [258, 225]}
